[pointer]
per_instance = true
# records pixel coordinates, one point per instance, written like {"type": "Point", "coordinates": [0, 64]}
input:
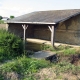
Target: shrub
{"type": "Point", "coordinates": [10, 45]}
{"type": "Point", "coordinates": [1, 77]}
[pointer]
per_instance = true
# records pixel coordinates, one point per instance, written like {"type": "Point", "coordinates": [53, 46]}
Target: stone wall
{"type": "Point", "coordinates": [69, 31]}
{"type": "Point", "coordinates": [33, 31]}
{"type": "Point", "coordinates": [16, 29]}
{"type": "Point", "coordinates": [42, 32]}
{"type": "Point", "coordinates": [3, 26]}
{"type": "Point", "coordinates": [66, 32]}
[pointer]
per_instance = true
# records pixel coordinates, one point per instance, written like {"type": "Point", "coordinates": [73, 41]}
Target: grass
{"type": "Point", "coordinates": [27, 67]}
{"type": "Point", "coordinates": [65, 50]}
{"type": "Point", "coordinates": [67, 67]}
{"type": "Point", "coordinates": [47, 47]}
{"type": "Point", "coordinates": [1, 22]}
{"type": "Point", "coordinates": [69, 52]}
{"type": "Point", "coordinates": [23, 66]}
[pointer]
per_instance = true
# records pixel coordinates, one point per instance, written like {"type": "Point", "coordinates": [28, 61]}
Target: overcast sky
{"type": "Point", "coordinates": [20, 7]}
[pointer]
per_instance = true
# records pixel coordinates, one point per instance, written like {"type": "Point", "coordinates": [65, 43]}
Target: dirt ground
{"type": "Point", "coordinates": [49, 74]}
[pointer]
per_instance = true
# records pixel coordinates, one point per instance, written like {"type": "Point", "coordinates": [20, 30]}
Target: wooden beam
{"type": "Point", "coordinates": [50, 28]}
{"type": "Point", "coordinates": [24, 39]}
{"type": "Point", "coordinates": [53, 35]}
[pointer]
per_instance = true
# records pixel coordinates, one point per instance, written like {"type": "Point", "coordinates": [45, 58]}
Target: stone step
{"type": "Point", "coordinates": [42, 54]}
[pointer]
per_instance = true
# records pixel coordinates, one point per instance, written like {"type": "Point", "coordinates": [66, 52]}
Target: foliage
{"type": "Point", "coordinates": [24, 66]}
{"type": "Point", "coordinates": [69, 52]}
{"type": "Point", "coordinates": [27, 67]}
{"type": "Point", "coordinates": [65, 50]}
{"type": "Point", "coordinates": [29, 52]}
{"type": "Point", "coordinates": [1, 77]}
{"type": "Point", "coordinates": [11, 17]}
{"type": "Point", "coordinates": [47, 47]}
{"type": "Point", "coordinates": [10, 45]}
{"type": "Point", "coordinates": [1, 22]}
{"type": "Point", "coordinates": [1, 17]}
{"type": "Point", "coordinates": [56, 49]}
{"type": "Point", "coordinates": [66, 67]}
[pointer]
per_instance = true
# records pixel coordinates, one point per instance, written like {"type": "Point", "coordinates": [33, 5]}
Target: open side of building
{"type": "Point", "coordinates": [55, 26]}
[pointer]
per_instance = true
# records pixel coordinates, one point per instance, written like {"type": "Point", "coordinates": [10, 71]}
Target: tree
{"type": "Point", "coordinates": [11, 17]}
{"type": "Point", "coordinates": [1, 17]}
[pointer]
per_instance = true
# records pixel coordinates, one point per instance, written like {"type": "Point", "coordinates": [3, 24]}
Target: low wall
{"type": "Point", "coordinates": [36, 44]}
{"type": "Point", "coordinates": [3, 26]}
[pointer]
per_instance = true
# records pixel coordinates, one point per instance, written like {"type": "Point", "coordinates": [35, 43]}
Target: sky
{"type": "Point", "coordinates": [21, 7]}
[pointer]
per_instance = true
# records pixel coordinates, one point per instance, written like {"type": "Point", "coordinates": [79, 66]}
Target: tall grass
{"type": "Point", "coordinates": [64, 67]}
{"type": "Point", "coordinates": [23, 66]}
{"type": "Point", "coordinates": [69, 52]}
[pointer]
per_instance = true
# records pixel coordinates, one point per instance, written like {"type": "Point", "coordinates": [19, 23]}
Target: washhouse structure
{"type": "Point", "coordinates": [55, 25]}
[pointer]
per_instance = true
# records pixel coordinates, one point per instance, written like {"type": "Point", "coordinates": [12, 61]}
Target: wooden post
{"type": "Point", "coordinates": [24, 27]}
{"type": "Point", "coordinates": [52, 29]}
{"type": "Point", "coordinates": [7, 27]}
{"type": "Point", "coordinates": [52, 35]}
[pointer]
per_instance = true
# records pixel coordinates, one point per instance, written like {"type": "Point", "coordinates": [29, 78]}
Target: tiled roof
{"type": "Point", "coordinates": [45, 17]}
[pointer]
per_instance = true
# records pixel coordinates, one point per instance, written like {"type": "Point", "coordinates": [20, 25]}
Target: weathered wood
{"type": "Point", "coordinates": [7, 26]}
{"type": "Point", "coordinates": [52, 35]}
{"type": "Point", "coordinates": [24, 39]}
{"type": "Point", "coordinates": [50, 28]}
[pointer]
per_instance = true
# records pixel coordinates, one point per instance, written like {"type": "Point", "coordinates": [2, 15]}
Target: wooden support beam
{"type": "Point", "coordinates": [53, 35]}
{"type": "Point", "coordinates": [24, 39]}
{"type": "Point", "coordinates": [7, 25]}
{"type": "Point", "coordinates": [50, 28]}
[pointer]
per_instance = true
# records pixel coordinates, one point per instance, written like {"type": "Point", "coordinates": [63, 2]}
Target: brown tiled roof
{"type": "Point", "coordinates": [46, 17]}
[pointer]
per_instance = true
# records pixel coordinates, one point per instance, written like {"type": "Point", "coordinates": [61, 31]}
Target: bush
{"type": "Point", "coordinates": [10, 45]}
